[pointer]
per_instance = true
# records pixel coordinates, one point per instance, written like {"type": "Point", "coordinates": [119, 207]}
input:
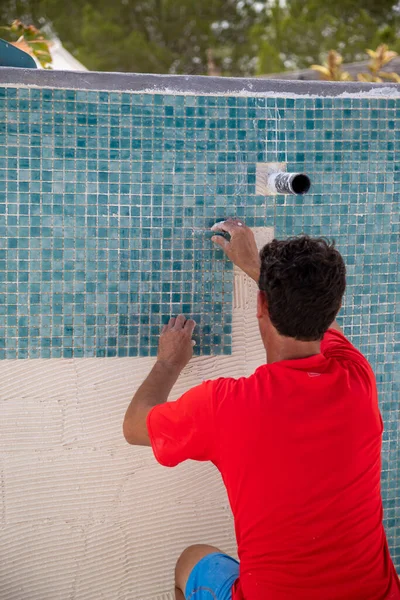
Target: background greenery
{"type": "Point", "coordinates": [228, 37]}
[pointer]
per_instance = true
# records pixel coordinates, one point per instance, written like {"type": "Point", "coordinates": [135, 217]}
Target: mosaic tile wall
{"type": "Point", "coordinates": [106, 200]}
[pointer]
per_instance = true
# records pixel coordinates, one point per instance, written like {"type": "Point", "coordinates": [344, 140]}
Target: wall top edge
{"type": "Point", "coordinates": [192, 84]}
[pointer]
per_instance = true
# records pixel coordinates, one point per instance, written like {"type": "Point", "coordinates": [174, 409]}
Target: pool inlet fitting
{"type": "Point", "coordinates": [272, 179]}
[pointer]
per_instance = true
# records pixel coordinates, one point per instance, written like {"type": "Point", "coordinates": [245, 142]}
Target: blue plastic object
{"type": "Point", "coordinates": [10, 56]}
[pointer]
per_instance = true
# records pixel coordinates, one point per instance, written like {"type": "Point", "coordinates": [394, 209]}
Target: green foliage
{"type": "Point", "coordinates": [269, 59]}
{"type": "Point", "coordinates": [147, 35]}
{"type": "Point", "coordinates": [106, 46]}
{"type": "Point", "coordinates": [303, 31]}
{"type": "Point", "coordinates": [243, 37]}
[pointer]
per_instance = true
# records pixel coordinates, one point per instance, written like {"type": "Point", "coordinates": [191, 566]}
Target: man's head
{"type": "Point", "coordinates": [302, 282]}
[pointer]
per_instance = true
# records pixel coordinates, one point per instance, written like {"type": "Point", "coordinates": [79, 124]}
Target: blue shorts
{"type": "Point", "coordinates": [212, 578]}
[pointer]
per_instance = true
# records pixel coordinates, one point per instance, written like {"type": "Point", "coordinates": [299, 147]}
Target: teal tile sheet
{"type": "Point", "coordinates": [106, 200]}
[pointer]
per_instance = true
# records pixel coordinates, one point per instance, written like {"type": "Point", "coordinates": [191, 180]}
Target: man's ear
{"type": "Point", "coordinates": [262, 305]}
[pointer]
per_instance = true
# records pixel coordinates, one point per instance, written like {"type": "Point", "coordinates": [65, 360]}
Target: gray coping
{"type": "Point", "coordinates": [189, 84]}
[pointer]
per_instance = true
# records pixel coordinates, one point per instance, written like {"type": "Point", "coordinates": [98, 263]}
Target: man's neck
{"type": "Point", "coordinates": [289, 349]}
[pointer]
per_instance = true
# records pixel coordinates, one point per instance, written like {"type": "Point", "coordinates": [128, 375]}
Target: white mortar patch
{"type": "Point", "coordinates": [85, 516]}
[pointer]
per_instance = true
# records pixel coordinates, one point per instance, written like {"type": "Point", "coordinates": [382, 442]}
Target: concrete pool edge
{"type": "Point", "coordinates": [192, 84]}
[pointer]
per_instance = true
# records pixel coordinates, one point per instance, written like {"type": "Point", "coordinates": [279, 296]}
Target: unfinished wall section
{"type": "Point", "coordinates": [83, 514]}
{"type": "Point", "coordinates": [108, 186]}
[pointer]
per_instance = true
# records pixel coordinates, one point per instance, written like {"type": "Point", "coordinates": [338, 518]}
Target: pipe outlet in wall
{"type": "Point", "coordinates": [273, 179]}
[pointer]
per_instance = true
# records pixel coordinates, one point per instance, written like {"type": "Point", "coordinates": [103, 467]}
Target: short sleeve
{"type": "Point", "coordinates": [184, 429]}
{"type": "Point", "coordinates": [336, 345]}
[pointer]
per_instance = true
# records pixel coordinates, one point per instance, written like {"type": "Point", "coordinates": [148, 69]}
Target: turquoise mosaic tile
{"type": "Point", "coordinates": [106, 200]}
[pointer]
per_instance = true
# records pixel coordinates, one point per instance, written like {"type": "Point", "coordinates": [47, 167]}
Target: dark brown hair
{"type": "Point", "coordinates": [304, 280]}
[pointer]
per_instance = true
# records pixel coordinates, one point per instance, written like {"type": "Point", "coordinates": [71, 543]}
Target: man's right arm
{"type": "Point", "coordinates": [242, 250]}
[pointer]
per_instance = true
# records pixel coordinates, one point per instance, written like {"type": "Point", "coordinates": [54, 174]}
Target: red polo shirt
{"type": "Point", "coordinates": [298, 445]}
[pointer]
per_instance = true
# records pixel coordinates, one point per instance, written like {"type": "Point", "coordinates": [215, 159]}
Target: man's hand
{"type": "Point", "coordinates": [241, 248]}
{"type": "Point", "coordinates": [175, 347]}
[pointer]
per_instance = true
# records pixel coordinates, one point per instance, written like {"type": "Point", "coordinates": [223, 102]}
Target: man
{"type": "Point", "coordinates": [298, 443]}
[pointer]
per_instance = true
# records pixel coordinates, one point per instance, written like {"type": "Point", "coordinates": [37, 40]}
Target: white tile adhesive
{"type": "Point", "coordinates": [376, 92]}
{"type": "Point", "coordinates": [85, 516]}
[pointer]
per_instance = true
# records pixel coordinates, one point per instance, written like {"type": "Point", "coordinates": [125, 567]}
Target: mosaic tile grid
{"type": "Point", "coordinates": [106, 199]}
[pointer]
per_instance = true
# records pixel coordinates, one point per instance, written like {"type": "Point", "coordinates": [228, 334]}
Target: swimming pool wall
{"type": "Point", "coordinates": [108, 186]}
